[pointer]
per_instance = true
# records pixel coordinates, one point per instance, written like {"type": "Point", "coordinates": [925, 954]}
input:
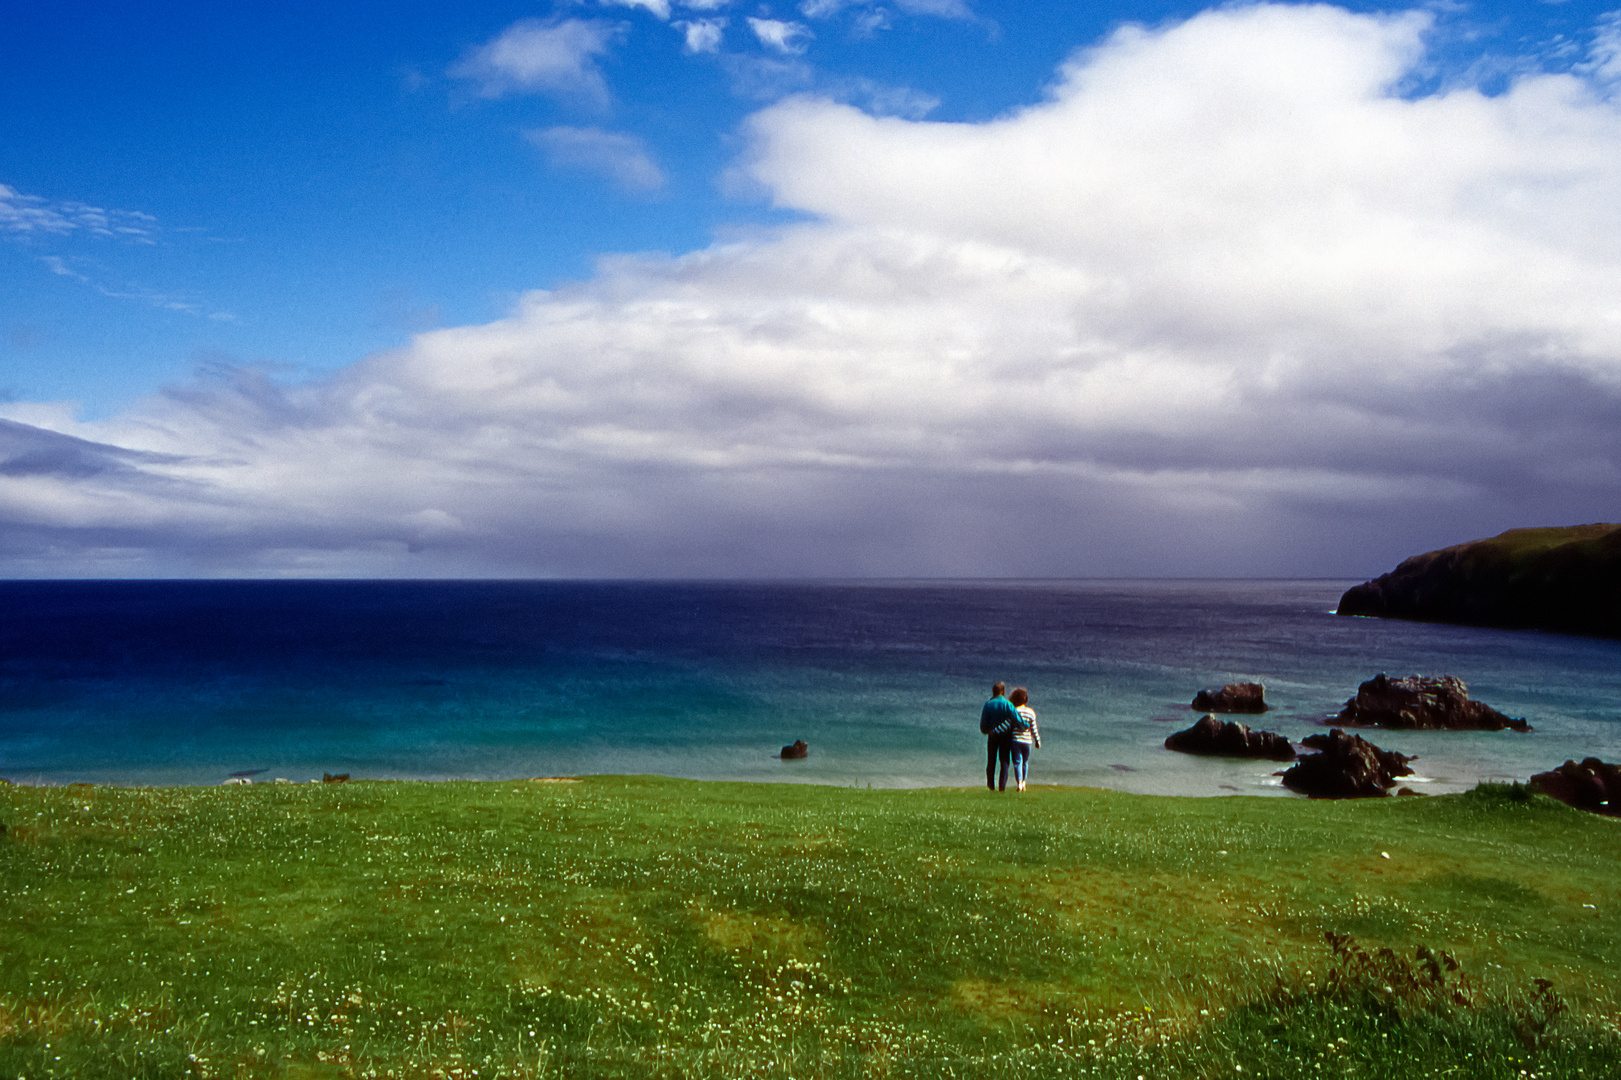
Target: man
{"type": "Point", "coordinates": [997, 720]}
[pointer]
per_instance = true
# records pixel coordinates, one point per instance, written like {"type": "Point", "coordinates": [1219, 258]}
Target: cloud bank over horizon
{"type": "Point", "coordinates": [1227, 302]}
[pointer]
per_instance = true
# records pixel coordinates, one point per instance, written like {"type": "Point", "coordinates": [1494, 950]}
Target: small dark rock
{"type": "Point", "coordinates": [1592, 785]}
{"type": "Point", "coordinates": [1230, 739]}
{"type": "Point", "coordinates": [1422, 702]}
{"type": "Point", "coordinates": [796, 751]}
{"type": "Point", "coordinates": [1348, 767]}
{"type": "Point", "coordinates": [329, 778]}
{"type": "Point", "coordinates": [1239, 697]}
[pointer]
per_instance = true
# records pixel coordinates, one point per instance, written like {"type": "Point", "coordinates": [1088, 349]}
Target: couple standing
{"type": "Point", "coordinates": [1010, 723]}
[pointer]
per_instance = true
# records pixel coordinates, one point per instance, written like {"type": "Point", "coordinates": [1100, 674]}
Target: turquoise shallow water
{"type": "Point", "coordinates": [191, 682]}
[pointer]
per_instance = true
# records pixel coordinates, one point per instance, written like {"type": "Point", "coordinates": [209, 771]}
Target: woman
{"type": "Point", "coordinates": [1025, 734]}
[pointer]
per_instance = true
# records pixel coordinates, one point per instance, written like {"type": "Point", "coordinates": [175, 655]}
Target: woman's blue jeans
{"type": "Point", "coordinates": [1021, 762]}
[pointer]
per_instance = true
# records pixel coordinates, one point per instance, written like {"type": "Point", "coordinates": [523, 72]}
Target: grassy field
{"type": "Point", "coordinates": [632, 926]}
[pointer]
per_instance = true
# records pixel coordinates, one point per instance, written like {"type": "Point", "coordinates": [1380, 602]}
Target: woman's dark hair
{"type": "Point", "coordinates": [1019, 696]}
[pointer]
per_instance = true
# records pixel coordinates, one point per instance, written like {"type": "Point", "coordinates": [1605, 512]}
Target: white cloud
{"type": "Point", "coordinates": [659, 8]}
{"type": "Point", "coordinates": [622, 158]}
{"type": "Point", "coordinates": [702, 35]}
{"type": "Point", "coordinates": [786, 37]}
{"type": "Point", "coordinates": [548, 57]}
{"type": "Point", "coordinates": [1222, 304]}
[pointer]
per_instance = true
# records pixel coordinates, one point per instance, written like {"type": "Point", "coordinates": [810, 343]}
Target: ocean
{"type": "Point", "coordinates": [195, 682]}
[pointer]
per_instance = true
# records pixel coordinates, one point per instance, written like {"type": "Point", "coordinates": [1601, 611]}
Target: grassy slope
{"type": "Point", "coordinates": [640, 926]}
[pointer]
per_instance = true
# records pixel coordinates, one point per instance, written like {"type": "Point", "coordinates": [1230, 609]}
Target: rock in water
{"type": "Point", "coordinates": [1592, 785]}
{"type": "Point", "coordinates": [1230, 739]}
{"type": "Point", "coordinates": [1564, 579]}
{"type": "Point", "coordinates": [1348, 767]}
{"type": "Point", "coordinates": [1242, 697]}
{"type": "Point", "coordinates": [796, 751]}
{"type": "Point", "coordinates": [1428, 703]}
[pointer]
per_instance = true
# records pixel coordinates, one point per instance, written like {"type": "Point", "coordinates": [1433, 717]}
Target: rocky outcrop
{"type": "Point", "coordinates": [1230, 739]}
{"type": "Point", "coordinates": [1239, 697]}
{"type": "Point", "coordinates": [1592, 785]}
{"type": "Point", "coordinates": [1422, 702]}
{"type": "Point", "coordinates": [796, 751]}
{"type": "Point", "coordinates": [1347, 767]}
{"type": "Point", "coordinates": [1563, 579]}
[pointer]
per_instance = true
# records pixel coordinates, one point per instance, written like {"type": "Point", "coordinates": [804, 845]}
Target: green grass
{"type": "Point", "coordinates": [631, 926]}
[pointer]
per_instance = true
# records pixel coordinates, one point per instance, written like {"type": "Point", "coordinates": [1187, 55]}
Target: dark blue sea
{"type": "Point", "coordinates": [195, 682]}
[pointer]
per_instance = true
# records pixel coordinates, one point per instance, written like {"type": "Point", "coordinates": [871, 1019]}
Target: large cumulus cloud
{"type": "Point", "coordinates": [1226, 302]}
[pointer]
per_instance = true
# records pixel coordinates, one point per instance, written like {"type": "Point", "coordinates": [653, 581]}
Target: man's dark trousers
{"type": "Point", "coordinates": [998, 748]}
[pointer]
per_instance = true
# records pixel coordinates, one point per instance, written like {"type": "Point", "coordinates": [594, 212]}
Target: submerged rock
{"type": "Point", "coordinates": [796, 751]}
{"type": "Point", "coordinates": [1241, 697]}
{"type": "Point", "coordinates": [1422, 702]}
{"type": "Point", "coordinates": [1230, 739]}
{"type": "Point", "coordinates": [1592, 785]}
{"type": "Point", "coordinates": [1348, 767]}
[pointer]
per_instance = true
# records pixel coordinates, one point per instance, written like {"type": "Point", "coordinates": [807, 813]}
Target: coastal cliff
{"type": "Point", "coordinates": [1561, 579]}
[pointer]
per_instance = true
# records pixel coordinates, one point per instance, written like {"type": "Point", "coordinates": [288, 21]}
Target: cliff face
{"type": "Point", "coordinates": [1562, 579]}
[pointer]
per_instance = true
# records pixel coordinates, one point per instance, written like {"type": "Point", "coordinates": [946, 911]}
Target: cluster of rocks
{"type": "Point", "coordinates": [1347, 766]}
{"type": "Point", "coordinates": [1423, 703]}
{"type": "Point", "coordinates": [1242, 697]}
{"type": "Point", "coordinates": [795, 752]}
{"type": "Point", "coordinates": [1230, 739]}
{"type": "Point", "coordinates": [1592, 785]}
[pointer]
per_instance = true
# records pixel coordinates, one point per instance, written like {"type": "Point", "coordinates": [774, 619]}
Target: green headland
{"type": "Point", "coordinates": [1563, 579]}
{"type": "Point", "coordinates": [644, 927]}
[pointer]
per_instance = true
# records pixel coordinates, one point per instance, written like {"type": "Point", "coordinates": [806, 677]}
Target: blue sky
{"type": "Point", "coordinates": [226, 234]}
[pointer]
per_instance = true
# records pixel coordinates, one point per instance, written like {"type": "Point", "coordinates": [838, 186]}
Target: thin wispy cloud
{"type": "Point", "coordinates": [34, 215]}
{"type": "Point", "coordinates": [43, 222]}
{"type": "Point", "coordinates": [1604, 56]}
{"type": "Point", "coordinates": [622, 158]}
{"type": "Point", "coordinates": [532, 56]}
{"type": "Point", "coordinates": [62, 267]}
{"type": "Point", "coordinates": [944, 9]}
{"type": "Point", "coordinates": [788, 38]}
{"type": "Point", "coordinates": [870, 12]}
{"type": "Point", "coordinates": [58, 266]}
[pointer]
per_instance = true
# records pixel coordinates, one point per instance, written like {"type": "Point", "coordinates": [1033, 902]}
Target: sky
{"type": "Point", "coordinates": [835, 288]}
